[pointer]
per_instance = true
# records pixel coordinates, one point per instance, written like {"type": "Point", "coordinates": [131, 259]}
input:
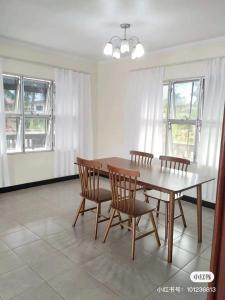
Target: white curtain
{"type": "Point", "coordinates": [209, 148]}
{"type": "Point", "coordinates": [144, 111]}
{"type": "Point", "coordinates": [4, 172]}
{"type": "Point", "coordinates": [73, 120]}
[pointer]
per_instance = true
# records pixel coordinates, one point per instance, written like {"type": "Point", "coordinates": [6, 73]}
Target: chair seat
{"type": "Point", "coordinates": [104, 195]}
{"type": "Point", "coordinates": [140, 208]}
{"type": "Point", "coordinates": [161, 196]}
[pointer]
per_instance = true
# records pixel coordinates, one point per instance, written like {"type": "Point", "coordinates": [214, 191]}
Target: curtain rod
{"type": "Point", "coordinates": [42, 64]}
{"type": "Point", "coordinates": [176, 64]}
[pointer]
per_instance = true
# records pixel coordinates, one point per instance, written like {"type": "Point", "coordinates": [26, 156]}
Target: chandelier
{"type": "Point", "coordinates": [122, 46]}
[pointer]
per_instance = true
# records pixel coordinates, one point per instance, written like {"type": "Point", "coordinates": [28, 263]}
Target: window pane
{"type": "Point", "coordinates": [182, 140]}
{"type": "Point", "coordinates": [13, 134]}
{"type": "Point", "coordinates": [165, 100]}
{"type": "Point", "coordinates": [37, 134]}
{"type": "Point", "coordinates": [36, 97]}
{"type": "Point", "coordinates": [11, 93]}
{"type": "Point", "coordinates": [184, 100]}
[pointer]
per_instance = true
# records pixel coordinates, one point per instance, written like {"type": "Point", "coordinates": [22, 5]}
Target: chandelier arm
{"type": "Point", "coordinates": [114, 37]}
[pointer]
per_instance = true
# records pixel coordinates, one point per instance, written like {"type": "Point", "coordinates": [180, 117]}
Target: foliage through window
{"type": "Point", "coordinates": [182, 112]}
{"type": "Point", "coordinates": [29, 113]}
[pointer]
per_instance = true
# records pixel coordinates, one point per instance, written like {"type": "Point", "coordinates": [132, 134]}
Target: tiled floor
{"type": "Point", "coordinates": [43, 258]}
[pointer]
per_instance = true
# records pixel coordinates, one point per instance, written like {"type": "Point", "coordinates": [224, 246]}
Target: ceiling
{"type": "Point", "coordinates": [82, 27]}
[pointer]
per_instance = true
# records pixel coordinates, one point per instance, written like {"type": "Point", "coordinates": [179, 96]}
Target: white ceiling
{"type": "Point", "coordinates": [83, 26]}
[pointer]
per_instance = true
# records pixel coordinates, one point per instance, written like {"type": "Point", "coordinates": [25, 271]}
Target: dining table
{"type": "Point", "coordinates": [170, 181]}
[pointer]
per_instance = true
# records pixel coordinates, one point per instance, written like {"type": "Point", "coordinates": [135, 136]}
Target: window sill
{"type": "Point", "coordinates": [30, 152]}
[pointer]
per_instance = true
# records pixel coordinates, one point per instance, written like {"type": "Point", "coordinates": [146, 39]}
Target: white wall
{"type": "Point", "coordinates": [19, 59]}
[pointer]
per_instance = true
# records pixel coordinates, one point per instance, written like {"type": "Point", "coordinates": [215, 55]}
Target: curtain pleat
{"type": "Point", "coordinates": [210, 138]}
{"type": "Point", "coordinates": [144, 111]}
{"type": "Point", "coordinates": [73, 120]}
{"type": "Point", "coordinates": [4, 170]}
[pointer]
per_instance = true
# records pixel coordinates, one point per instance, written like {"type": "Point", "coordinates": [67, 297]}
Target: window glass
{"type": "Point", "coordinates": [165, 100]}
{"type": "Point", "coordinates": [184, 100]}
{"type": "Point", "coordinates": [11, 94]}
{"type": "Point", "coordinates": [37, 134]}
{"type": "Point", "coordinates": [13, 134]}
{"type": "Point", "coordinates": [36, 97]}
{"type": "Point", "coordinates": [182, 140]}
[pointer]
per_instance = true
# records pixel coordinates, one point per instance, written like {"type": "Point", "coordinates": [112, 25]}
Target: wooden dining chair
{"type": "Point", "coordinates": [174, 163]}
{"type": "Point", "coordinates": [124, 201]}
{"type": "Point", "coordinates": [90, 190]}
{"type": "Point", "coordinates": [141, 158]}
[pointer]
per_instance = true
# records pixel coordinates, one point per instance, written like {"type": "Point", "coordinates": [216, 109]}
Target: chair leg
{"type": "Point", "coordinates": [158, 208]}
{"type": "Point", "coordinates": [133, 236]}
{"type": "Point", "coordinates": [120, 219]}
{"type": "Point", "coordinates": [96, 222]}
{"type": "Point", "coordinates": [109, 225]}
{"type": "Point", "coordinates": [129, 222]}
{"type": "Point", "coordinates": [166, 220]}
{"type": "Point", "coordinates": [182, 213]}
{"type": "Point", "coordinates": [146, 199]}
{"type": "Point", "coordinates": [78, 212]}
{"type": "Point", "coordinates": [155, 229]}
{"type": "Point", "coordinates": [83, 207]}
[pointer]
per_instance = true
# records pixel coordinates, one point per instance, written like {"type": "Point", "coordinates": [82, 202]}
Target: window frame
{"type": "Point", "coordinates": [196, 122]}
{"type": "Point", "coordinates": [23, 115]}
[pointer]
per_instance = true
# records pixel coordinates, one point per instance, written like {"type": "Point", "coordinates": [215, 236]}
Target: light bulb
{"type": "Point", "coordinates": [139, 50]}
{"type": "Point", "coordinates": [108, 49]}
{"type": "Point", "coordinates": [116, 53]}
{"type": "Point", "coordinates": [124, 47]}
{"type": "Point", "coordinates": [133, 53]}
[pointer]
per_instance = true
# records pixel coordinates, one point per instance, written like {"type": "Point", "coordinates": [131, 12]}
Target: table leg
{"type": "Point", "coordinates": [170, 231]}
{"type": "Point", "coordinates": [199, 212]}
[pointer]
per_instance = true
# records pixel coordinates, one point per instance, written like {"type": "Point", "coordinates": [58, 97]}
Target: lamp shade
{"type": "Point", "coordinates": [124, 47]}
{"type": "Point", "coordinates": [133, 53]}
{"type": "Point", "coordinates": [108, 49]}
{"type": "Point", "coordinates": [116, 53]}
{"type": "Point", "coordinates": [139, 50]}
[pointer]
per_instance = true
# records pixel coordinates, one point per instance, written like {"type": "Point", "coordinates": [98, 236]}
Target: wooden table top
{"type": "Point", "coordinates": [163, 179]}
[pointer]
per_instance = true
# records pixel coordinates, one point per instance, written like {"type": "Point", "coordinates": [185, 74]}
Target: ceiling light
{"type": "Point", "coordinates": [117, 46]}
{"type": "Point", "coordinates": [116, 53]}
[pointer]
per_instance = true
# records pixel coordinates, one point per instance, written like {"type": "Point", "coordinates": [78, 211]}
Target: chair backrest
{"type": "Point", "coordinates": [141, 158]}
{"type": "Point", "coordinates": [89, 177]}
{"type": "Point", "coordinates": [174, 162]}
{"type": "Point", "coordinates": [123, 186]}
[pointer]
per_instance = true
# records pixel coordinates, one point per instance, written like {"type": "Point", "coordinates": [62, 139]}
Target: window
{"type": "Point", "coordinates": [182, 111]}
{"type": "Point", "coordinates": [29, 114]}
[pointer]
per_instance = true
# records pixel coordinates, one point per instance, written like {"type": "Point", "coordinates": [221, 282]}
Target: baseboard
{"type": "Point", "coordinates": [36, 183]}
{"type": "Point", "coordinates": [194, 201]}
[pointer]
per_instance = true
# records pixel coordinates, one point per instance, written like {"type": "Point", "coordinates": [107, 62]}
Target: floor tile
{"type": "Point", "coordinates": [207, 253]}
{"type": "Point", "coordinates": [3, 247]}
{"type": "Point", "coordinates": [79, 285]}
{"type": "Point", "coordinates": [9, 261]}
{"type": "Point", "coordinates": [190, 244]}
{"type": "Point", "coordinates": [42, 292]}
{"type": "Point", "coordinates": [17, 281]}
{"type": "Point", "coordinates": [52, 264]}
{"type": "Point", "coordinates": [180, 256]}
{"type": "Point", "coordinates": [197, 264]}
{"type": "Point", "coordinates": [16, 239]}
{"type": "Point", "coordinates": [43, 228]}
{"type": "Point", "coordinates": [32, 252]}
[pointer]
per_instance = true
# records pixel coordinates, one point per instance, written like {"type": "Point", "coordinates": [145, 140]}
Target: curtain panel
{"type": "Point", "coordinates": [4, 171]}
{"type": "Point", "coordinates": [210, 138]}
{"type": "Point", "coordinates": [73, 120]}
{"type": "Point", "coordinates": [144, 111]}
